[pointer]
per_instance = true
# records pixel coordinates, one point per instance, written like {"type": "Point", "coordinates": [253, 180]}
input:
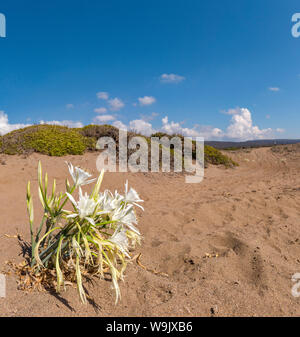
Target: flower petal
{"type": "Point", "coordinates": [71, 199]}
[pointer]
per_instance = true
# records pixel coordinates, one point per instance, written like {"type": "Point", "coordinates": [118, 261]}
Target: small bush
{"type": "Point", "coordinates": [97, 131]}
{"type": "Point", "coordinates": [51, 140]}
{"type": "Point", "coordinates": [216, 157]}
{"type": "Point", "coordinates": [161, 134]}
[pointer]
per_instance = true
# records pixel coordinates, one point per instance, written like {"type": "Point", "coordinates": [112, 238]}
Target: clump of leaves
{"type": "Point", "coordinates": [93, 238]}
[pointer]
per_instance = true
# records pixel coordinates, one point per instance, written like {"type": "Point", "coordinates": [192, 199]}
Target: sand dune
{"type": "Point", "coordinates": [246, 218]}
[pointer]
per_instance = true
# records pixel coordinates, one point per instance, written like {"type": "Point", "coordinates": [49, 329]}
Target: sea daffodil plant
{"type": "Point", "coordinates": [95, 237]}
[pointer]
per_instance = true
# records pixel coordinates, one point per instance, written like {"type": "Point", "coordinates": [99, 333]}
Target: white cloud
{"type": "Point", "coordinates": [5, 127]}
{"type": "Point", "coordinates": [144, 127]}
{"type": "Point", "coordinates": [242, 127]}
{"type": "Point", "coordinates": [209, 132]}
{"type": "Point", "coordinates": [275, 89]}
{"type": "Point", "coordinates": [69, 106]}
{"type": "Point", "coordinates": [120, 125]}
{"type": "Point", "coordinates": [171, 78]}
{"type": "Point", "coordinates": [68, 123]}
{"type": "Point", "coordinates": [104, 118]}
{"type": "Point", "coordinates": [146, 100]}
{"type": "Point", "coordinates": [102, 95]}
{"type": "Point", "coordinates": [115, 104]}
{"type": "Point", "coordinates": [141, 126]}
{"type": "Point", "coordinates": [176, 128]}
{"type": "Point", "coordinates": [216, 133]}
{"type": "Point", "coordinates": [100, 110]}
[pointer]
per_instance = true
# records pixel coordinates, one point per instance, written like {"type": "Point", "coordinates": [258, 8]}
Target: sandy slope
{"type": "Point", "coordinates": [249, 216]}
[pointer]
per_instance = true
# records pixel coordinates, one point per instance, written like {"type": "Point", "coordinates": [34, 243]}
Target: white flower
{"type": "Point", "coordinates": [108, 202]}
{"type": "Point", "coordinates": [117, 200]}
{"type": "Point", "coordinates": [119, 238]}
{"type": "Point", "coordinates": [85, 206]}
{"type": "Point", "coordinates": [80, 177]}
{"type": "Point", "coordinates": [127, 217]}
{"type": "Point", "coordinates": [132, 196]}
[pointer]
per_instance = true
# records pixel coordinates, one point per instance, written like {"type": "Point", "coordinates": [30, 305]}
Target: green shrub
{"type": "Point", "coordinates": [97, 131]}
{"type": "Point", "coordinates": [51, 140]}
{"type": "Point", "coordinates": [216, 157]}
{"type": "Point", "coordinates": [211, 155]}
{"type": "Point", "coordinates": [232, 148]}
{"type": "Point", "coordinates": [160, 135]}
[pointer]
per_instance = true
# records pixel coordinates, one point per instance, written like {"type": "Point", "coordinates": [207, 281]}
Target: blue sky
{"type": "Point", "coordinates": [221, 69]}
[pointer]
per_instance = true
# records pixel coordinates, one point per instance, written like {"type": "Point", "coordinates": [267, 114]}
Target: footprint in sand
{"type": "Point", "coordinates": [249, 260]}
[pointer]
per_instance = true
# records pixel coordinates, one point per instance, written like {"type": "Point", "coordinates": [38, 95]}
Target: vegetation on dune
{"type": "Point", "coordinates": [286, 149]}
{"type": "Point", "coordinates": [54, 140]}
{"type": "Point", "coordinates": [97, 131]}
{"type": "Point", "coordinates": [216, 157]}
{"type": "Point", "coordinates": [211, 155]}
{"type": "Point", "coordinates": [51, 140]}
{"type": "Point", "coordinates": [232, 148]}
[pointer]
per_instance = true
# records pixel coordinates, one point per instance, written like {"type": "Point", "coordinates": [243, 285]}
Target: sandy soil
{"type": "Point", "coordinates": [249, 216]}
